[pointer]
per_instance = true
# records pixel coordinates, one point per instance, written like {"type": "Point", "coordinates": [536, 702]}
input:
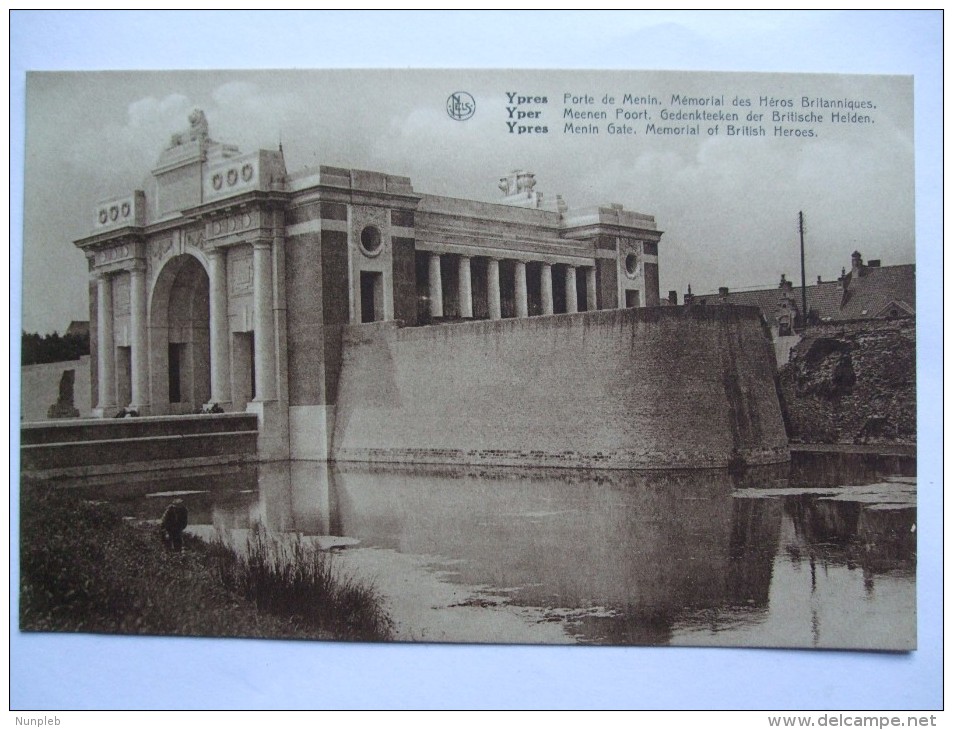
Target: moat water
{"type": "Point", "coordinates": [820, 552]}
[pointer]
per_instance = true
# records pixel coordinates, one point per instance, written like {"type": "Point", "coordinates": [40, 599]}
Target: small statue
{"type": "Point", "coordinates": [198, 126]}
{"type": "Point", "coordinates": [525, 182]}
{"type": "Point", "coordinates": [518, 181]}
{"type": "Point", "coordinates": [197, 132]}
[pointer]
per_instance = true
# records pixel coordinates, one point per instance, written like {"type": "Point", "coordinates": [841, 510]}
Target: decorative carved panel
{"type": "Point", "coordinates": [240, 273]}
{"type": "Point", "coordinates": [195, 238]}
{"type": "Point", "coordinates": [121, 295]}
{"type": "Point", "coordinates": [235, 223]}
{"type": "Point", "coordinates": [115, 253]}
{"type": "Point", "coordinates": [160, 247]}
{"type": "Point", "coordinates": [127, 210]}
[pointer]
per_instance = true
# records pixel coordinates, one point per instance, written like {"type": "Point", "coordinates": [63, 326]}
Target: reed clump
{"type": "Point", "coordinates": [286, 576]}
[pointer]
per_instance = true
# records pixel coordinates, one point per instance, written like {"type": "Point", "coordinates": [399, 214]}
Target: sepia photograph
{"type": "Point", "coordinates": [469, 357]}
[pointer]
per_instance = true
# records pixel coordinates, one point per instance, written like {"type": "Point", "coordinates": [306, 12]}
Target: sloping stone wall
{"type": "Point", "coordinates": [659, 387]}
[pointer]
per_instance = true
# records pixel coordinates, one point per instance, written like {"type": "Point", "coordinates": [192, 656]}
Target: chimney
{"type": "Point", "coordinates": [673, 297]}
{"type": "Point", "coordinates": [689, 297]}
{"type": "Point", "coordinates": [856, 264]}
{"type": "Point", "coordinates": [818, 278]}
{"type": "Point", "coordinates": [723, 292]}
{"type": "Point", "coordinates": [785, 284]}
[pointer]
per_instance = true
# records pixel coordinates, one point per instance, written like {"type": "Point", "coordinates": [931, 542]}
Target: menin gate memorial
{"type": "Point", "coordinates": [362, 320]}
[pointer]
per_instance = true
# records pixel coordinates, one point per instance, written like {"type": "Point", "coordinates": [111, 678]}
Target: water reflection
{"type": "Point", "coordinates": [834, 469]}
{"type": "Point", "coordinates": [640, 546]}
{"type": "Point", "coordinates": [702, 557]}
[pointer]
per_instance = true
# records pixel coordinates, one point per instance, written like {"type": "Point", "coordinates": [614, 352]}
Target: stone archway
{"type": "Point", "coordinates": [179, 337]}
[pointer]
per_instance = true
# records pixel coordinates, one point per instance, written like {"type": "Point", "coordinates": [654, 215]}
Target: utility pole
{"type": "Point", "coordinates": [800, 227]}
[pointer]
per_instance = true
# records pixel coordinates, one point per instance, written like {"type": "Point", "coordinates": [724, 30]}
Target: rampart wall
{"type": "Point", "coordinates": [660, 387]}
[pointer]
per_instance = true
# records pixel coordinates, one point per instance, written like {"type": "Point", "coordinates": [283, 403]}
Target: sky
{"type": "Point", "coordinates": [728, 218]}
{"type": "Point", "coordinates": [727, 205]}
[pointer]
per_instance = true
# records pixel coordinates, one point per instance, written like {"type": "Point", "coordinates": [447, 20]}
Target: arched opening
{"type": "Point", "coordinates": [179, 337]}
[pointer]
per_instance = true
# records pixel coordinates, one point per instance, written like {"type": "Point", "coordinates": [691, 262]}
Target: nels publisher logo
{"type": "Point", "coordinates": [460, 106]}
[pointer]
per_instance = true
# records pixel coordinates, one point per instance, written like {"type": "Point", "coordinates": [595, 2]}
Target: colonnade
{"type": "Point", "coordinates": [521, 290]}
{"type": "Point", "coordinates": [266, 376]}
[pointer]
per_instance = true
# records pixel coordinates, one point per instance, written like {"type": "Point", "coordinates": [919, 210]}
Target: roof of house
{"type": "Point", "coordinates": [78, 328]}
{"type": "Point", "coordinates": [875, 289]}
{"type": "Point", "coordinates": [870, 292]}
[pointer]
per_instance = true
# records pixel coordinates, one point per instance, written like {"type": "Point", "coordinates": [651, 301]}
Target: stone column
{"type": "Point", "coordinates": [522, 305]}
{"type": "Point", "coordinates": [546, 281]}
{"type": "Point", "coordinates": [139, 357]}
{"type": "Point", "coordinates": [572, 304]}
{"type": "Point", "coordinates": [466, 289]}
{"type": "Point", "coordinates": [436, 287]}
{"type": "Point", "coordinates": [107, 351]}
{"type": "Point", "coordinates": [591, 288]}
{"type": "Point", "coordinates": [218, 328]}
{"type": "Point", "coordinates": [265, 389]}
{"type": "Point", "coordinates": [493, 288]}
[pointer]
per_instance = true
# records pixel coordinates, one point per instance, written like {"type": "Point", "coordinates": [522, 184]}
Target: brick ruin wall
{"type": "Point", "coordinates": [657, 387]}
{"type": "Point", "coordinates": [852, 382]}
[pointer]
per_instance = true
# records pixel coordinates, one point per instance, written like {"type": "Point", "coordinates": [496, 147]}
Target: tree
{"type": "Point", "coordinates": [36, 349]}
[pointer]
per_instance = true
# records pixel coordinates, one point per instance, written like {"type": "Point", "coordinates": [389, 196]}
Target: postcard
{"type": "Point", "coordinates": [535, 357]}
{"type": "Point", "coordinates": [619, 358]}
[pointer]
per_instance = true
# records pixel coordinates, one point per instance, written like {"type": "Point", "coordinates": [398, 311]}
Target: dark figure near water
{"type": "Point", "coordinates": [174, 521]}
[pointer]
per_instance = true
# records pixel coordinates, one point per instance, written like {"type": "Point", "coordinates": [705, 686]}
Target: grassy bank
{"type": "Point", "coordinates": [83, 568]}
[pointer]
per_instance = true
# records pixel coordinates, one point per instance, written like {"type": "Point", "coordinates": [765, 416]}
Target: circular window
{"type": "Point", "coordinates": [631, 264]}
{"type": "Point", "coordinates": [371, 240]}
